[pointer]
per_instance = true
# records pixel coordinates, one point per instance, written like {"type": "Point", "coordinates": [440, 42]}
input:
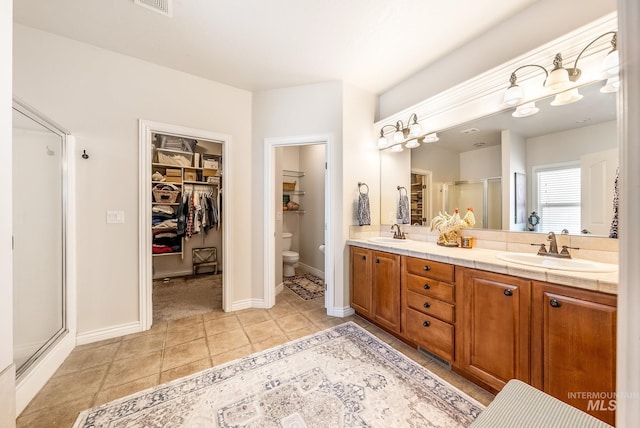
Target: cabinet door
{"type": "Point", "coordinates": [495, 332]}
{"type": "Point", "coordinates": [360, 283]}
{"type": "Point", "coordinates": [386, 290]}
{"type": "Point", "coordinates": [574, 347]}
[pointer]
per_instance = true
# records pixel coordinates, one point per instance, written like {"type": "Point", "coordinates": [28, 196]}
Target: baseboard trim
{"type": "Point", "coordinates": [310, 269]}
{"type": "Point", "coordinates": [172, 274]}
{"type": "Point", "coordinates": [340, 312]}
{"type": "Point", "coordinates": [279, 288]}
{"type": "Point", "coordinates": [8, 395]}
{"type": "Point", "coordinates": [247, 304]}
{"type": "Point", "coordinates": [108, 333]}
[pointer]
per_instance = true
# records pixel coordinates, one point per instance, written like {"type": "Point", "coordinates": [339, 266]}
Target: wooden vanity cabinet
{"type": "Point", "coordinates": [428, 305]}
{"type": "Point", "coordinates": [494, 328]}
{"type": "Point", "coordinates": [574, 347]}
{"type": "Point", "coordinates": [375, 286]}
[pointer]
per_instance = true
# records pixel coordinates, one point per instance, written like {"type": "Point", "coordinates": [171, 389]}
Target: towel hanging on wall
{"type": "Point", "coordinates": [613, 232]}
{"type": "Point", "coordinates": [363, 213]}
{"type": "Point", "coordinates": [404, 215]}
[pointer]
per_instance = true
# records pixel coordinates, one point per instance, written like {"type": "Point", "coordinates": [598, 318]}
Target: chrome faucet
{"type": "Point", "coordinates": [398, 234]}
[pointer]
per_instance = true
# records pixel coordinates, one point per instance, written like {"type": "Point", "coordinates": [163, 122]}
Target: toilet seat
{"type": "Point", "coordinates": [290, 256]}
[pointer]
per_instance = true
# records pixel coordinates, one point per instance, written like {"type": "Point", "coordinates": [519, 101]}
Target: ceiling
{"type": "Point", "coordinates": [266, 44]}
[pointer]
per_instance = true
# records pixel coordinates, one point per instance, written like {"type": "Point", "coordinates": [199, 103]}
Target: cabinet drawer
{"type": "Point", "coordinates": [430, 306]}
{"type": "Point", "coordinates": [430, 269]}
{"type": "Point", "coordinates": [430, 287]}
{"type": "Point", "coordinates": [432, 334]}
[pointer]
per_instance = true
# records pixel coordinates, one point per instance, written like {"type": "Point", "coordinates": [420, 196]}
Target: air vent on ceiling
{"type": "Point", "coordinates": [479, 144]}
{"type": "Point", "coordinates": [469, 131]}
{"type": "Point", "coordinates": [161, 6]}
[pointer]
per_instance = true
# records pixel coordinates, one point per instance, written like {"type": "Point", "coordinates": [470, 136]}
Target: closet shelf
{"type": "Point", "coordinates": [200, 182]}
{"type": "Point", "coordinates": [166, 182]}
{"type": "Point", "coordinates": [175, 253]}
{"type": "Point", "coordinates": [165, 203]}
{"type": "Point", "coordinates": [295, 211]}
{"type": "Point", "coordinates": [291, 173]}
{"type": "Point", "coordinates": [294, 192]}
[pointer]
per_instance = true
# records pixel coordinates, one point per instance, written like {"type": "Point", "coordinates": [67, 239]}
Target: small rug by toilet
{"type": "Point", "coordinates": [340, 377]}
{"type": "Point", "coordinates": [305, 285]}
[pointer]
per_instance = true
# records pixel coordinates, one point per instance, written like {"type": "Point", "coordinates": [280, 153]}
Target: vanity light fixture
{"type": "Point", "coordinates": [567, 97]}
{"type": "Point", "coordinates": [526, 109]}
{"type": "Point", "coordinates": [412, 144]}
{"type": "Point", "coordinates": [431, 138]}
{"type": "Point", "coordinates": [515, 94]}
{"type": "Point", "coordinates": [611, 63]}
{"type": "Point", "coordinates": [612, 85]}
{"type": "Point", "coordinates": [397, 148]}
{"type": "Point", "coordinates": [412, 132]}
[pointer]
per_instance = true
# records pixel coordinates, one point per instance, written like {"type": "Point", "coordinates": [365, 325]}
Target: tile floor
{"type": "Point", "coordinates": [99, 372]}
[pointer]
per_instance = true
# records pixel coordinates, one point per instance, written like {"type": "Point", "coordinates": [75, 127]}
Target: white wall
{"type": "Point", "coordinates": [311, 230]}
{"type": "Point", "coordinates": [480, 164]}
{"type": "Point", "coordinates": [569, 145]}
{"type": "Point", "coordinates": [513, 160]}
{"type": "Point", "coordinates": [99, 96]}
{"type": "Point", "coordinates": [394, 169]}
{"type": "Point", "coordinates": [7, 369]}
{"type": "Point", "coordinates": [289, 112]}
{"type": "Point", "coordinates": [542, 22]}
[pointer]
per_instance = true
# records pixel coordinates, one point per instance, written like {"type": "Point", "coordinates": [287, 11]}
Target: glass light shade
{"type": "Point", "coordinates": [431, 138]}
{"type": "Point", "coordinates": [415, 130]}
{"type": "Point", "coordinates": [382, 142]}
{"type": "Point", "coordinates": [558, 79]}
{"type": "Point", "coordinates": [397, 148]}
{"type": "Point", "coordinates": [527, 109]}
{"type": "Point", "coordinates": [412, 144]}
{"type": "Point", "coordinates": [612, 85]}
{"type": "Point", "coordinates": [513, 95]}
{"type": "Point", "coordinates": [398, 137]}
{"type": "Point", "coordinates": [611, 64]}
{"type": "Point", "coordinates": [567, 97]}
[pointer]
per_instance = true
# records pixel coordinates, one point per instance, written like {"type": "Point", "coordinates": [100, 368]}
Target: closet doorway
{"type": "Point", "coordinates": [184, 226]}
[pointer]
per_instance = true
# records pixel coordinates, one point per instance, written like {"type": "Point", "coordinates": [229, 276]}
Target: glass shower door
{"type": "Point", "coordinates": [38, 233]}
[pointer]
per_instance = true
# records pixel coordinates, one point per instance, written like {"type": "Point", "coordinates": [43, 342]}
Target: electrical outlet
{"type": "Point", "coordinates": [115, 217]}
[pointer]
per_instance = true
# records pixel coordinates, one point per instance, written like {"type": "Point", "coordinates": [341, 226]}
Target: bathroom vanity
{"type": "Point", "coordinates": [466, 308]}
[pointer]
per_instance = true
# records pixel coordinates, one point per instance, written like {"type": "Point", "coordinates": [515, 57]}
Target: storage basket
{"type": "Point", "coordinates": [288, 187]}
{"type": "Point", "coordinates": [162, 194]}
{"type": "Point", "coordinates": [171, 157]}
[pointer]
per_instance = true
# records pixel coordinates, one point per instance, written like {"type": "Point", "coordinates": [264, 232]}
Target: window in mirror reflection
{"type": "Point", "coordinates": [558, 199]}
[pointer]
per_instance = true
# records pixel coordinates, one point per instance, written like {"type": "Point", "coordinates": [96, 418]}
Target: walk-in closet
{"type": "Point", "coordinates": [186, 226]}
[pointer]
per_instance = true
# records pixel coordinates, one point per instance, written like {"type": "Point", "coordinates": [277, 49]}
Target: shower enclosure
{"type": "Point", "coordinates": [484, 196]}
{"type": "Point", "coordinates": [39, 216]}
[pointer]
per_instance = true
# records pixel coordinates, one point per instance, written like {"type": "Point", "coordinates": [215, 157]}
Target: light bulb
{"type": "Point", "coordinates": [611, 63]}
{"type": "Point", "coordinates": [527, 109]}
{"type": "Point", "coordinates": [398, 137]}
{"type": "Point", "coordinates": [567, 97]}
{"type": "Point", "coordinates": [412, 144]}
{"type": "Point", "coordinates": [382, 142]}
{"type": "Point", "coordinates": [431, 138]}
{"type": "Point", "coordinates": [397, 148]}
{"type": "Point", "coordinates": [513, 95]}
{"type": "Point", "coordinates": [415, 130]}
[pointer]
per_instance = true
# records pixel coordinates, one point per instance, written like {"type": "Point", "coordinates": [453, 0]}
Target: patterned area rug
{"type": "Point", "coordinates": [340, 377]}
{"type": "Point", "coordinates": [305, 285]}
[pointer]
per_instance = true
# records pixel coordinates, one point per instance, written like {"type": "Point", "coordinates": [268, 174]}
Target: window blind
{"type": "Point", "coordinates": [559, 199]}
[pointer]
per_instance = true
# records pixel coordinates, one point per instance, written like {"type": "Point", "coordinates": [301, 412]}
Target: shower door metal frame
{"type": "Point", "coordinates": [485, 196]}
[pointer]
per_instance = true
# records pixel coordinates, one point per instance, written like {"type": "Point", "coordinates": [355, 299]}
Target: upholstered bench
{"type": "Point", "coordinates": [519, 405]}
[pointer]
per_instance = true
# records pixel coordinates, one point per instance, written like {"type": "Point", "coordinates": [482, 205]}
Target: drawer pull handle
{"type": "Point", "coordinates": [427, 268]}
{"type": "Point", "coordinates": [427, 305]}
{"type": "Point", "coordinates": [377, 260]}
{"type": "Point", "coordinates": [426, 324]}
{"type": "Point", "coordinates": [427, 286]}
{"type": "Point", "coordinates": [508, 292]}
{"type": "Point", "coordinates": [555, 303]}
{"type": "Point", "coordinates": [364, 257]}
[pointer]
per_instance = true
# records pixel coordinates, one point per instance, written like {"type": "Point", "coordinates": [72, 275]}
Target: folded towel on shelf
{"type": "Point", "coordinates": [363, 212]}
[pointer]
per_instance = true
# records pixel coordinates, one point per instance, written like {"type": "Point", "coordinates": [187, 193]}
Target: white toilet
{"type": "Point", "coordinates": [289, 258]}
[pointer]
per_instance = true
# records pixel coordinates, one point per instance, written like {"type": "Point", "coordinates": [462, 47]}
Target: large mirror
{"type": "Point", "coordinates": [559, 163]}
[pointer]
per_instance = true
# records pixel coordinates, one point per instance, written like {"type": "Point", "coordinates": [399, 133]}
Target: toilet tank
{"type": "Point", "coordinates": [286, 241]}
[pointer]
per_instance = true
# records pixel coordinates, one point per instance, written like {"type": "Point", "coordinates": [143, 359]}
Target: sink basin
{"type": "Point", "coordinates": [387, 240]}
{"type": "Point", "coordinates": [548, 262]}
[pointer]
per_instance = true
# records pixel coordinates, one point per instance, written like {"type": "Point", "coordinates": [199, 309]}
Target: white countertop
{"type": "Point", "coordinates": [487, 260]}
